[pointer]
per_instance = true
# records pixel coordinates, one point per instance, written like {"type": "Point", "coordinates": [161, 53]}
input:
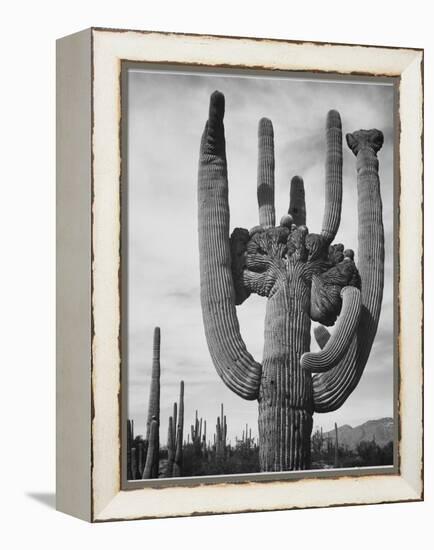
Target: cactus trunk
{"type": "Point", "coordinates": [170, 448]}
{"type": "Point", "coordinates": [130, 438]}
{"type": "Point", "coordinates": [154, 405]}
{"type": "Point", "coordinates": [285, 395]}
{"type": "Point", "coordinates": [151, 465]}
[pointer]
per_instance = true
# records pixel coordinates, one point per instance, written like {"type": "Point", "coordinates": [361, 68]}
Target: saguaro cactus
{"type": "Point", "coordinates": [149, 471]}
{"type": "Point", "coordinates": [336, 459]}
{"type": "Point", "coordinates": [204, 439]}
{"type": "Point", "coordinates": [130, 444]}
{"type": "Point", "coordinates": [177, 465]}
{"type": "Point", "coordinates": [221, 434]}
{"type": "Point", "coordinates": [304, 276]}
{"type": "Point", "coordinates": [196, 435]}
{"type": "Point", "coordinates": [170, 448]}
{"type": "Point", "coordinates": [153, 421]}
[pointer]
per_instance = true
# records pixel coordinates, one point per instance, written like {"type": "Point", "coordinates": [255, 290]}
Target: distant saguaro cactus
{"type": "Point", "coordinates": [304, 276]}
{"type": "Point", "coordinates": [170, 448]}
{"type": "Point", "coordinates": [221, 434]}
{"type": "Point", "coordinates": [153, 421]}
{"type": "Point", "coordinates": [177, 465]}
{"type": "Point", "coordinates": [196, 435]}
{"type": "Point", "coordinates": [204, 440]}
{"type": "Point", "coordinates": [149, 470]}
{"type": "Point", "coordinates": [130, 444]}
{"type": "Point", "coordinates": [141, 456]}
{"type": "Point", "coordinates": [336, 459]}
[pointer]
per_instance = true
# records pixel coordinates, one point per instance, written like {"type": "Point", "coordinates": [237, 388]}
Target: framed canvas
{"type": "Point", "coordinates": [205, 185]}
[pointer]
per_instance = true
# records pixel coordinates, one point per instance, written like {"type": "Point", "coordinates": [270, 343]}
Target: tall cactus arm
{"type": "Point", "coordinates": [338, 344]}
{"type": "Point", "coordinates": [266, 173]}
{"type": "Point", "coordinates": [331, 389]}
{"type": "Point", "coordinates": [297, 203]}
{"type": "Point", "coordinates": [333, 185]}
{"type": "Point", "coordinates": [237, 368]}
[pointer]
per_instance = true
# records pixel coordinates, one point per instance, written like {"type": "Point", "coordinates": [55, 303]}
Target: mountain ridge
{"type": "Point", "coordinates": [380, 430]}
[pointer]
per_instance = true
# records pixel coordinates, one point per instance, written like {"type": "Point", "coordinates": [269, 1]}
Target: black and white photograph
{"type": "Point", "coordinates": [216, 241]}
{"type": "Point", "coordinates": [257, 272]}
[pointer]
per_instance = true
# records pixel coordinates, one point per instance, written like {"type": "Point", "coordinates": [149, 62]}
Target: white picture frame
{"type": "Point", "coordinates": [89, 478]}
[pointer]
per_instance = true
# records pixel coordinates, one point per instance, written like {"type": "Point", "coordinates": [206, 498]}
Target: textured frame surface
{"type": "Point", "coordinates": [108, 49]}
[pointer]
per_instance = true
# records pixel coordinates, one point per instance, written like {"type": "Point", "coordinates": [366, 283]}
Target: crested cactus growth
{"type": "Point", "coordinates": [303, 275]}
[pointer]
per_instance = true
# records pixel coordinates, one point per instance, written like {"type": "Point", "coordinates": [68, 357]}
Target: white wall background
{"type": "Point", "coordinates": [27, 116]}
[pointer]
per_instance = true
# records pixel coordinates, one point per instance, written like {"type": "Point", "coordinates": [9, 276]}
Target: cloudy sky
{"type": "Point", "coordinates": [166, 115]}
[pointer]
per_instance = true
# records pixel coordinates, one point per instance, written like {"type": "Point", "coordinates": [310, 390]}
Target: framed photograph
{"type": "Point", "coordinates": [239, 274]}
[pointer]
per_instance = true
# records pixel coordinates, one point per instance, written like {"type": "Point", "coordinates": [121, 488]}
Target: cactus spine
{"type": "Point", "coordinates": [304, 276]}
